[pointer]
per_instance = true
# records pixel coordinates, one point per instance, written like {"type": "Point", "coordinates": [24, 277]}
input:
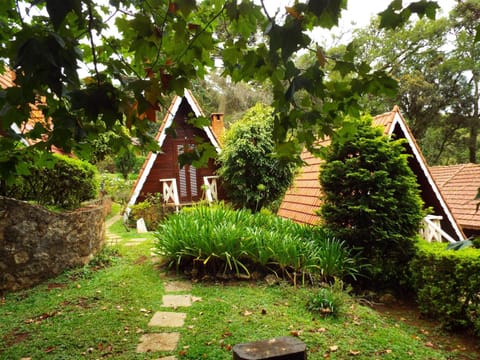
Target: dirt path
{"type": "Point", "coordinates": [437, 338]}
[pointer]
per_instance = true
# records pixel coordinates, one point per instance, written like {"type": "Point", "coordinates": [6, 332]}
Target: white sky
{"type": "Point", "coordinates": [358, 14]}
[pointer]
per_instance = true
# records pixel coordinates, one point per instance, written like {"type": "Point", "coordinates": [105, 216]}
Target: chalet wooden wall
{"type": "Point", "coordinates": [189, 179]}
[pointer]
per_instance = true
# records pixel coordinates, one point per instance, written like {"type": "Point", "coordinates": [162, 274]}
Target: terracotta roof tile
{"type": "Point", "coordinates": [459, 184]}
{"type": "Point", "coordinates": [302, 201]}
{"type": "Point", "coordinates": [6, 79]}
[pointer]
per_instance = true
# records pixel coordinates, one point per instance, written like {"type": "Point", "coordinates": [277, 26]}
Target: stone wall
{"type": "Point", "coordinates": [36, 244]}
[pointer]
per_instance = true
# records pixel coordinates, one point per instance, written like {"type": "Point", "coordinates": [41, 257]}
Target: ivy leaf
{"type": "Point", "coordinates": [344, 67]}
{"type": "Point", "coordinates": [186, 6]}
{"type": "Point", "coordinates": [391, 18]}
{"type": "Point", "coordinates": [422, 8]}
{"type": "Point", "coordinates": [58, 10]}
{"type": "Point", "coordinates": [326, 11]}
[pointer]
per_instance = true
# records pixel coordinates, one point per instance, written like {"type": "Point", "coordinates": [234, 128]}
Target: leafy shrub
{"type": "Point", "coordinates": [125, 162]}
{"type": "Point", "coordinates": [251, 175]}
{"type": "Point", "coordinates": [220, 239]}
{"type": "Point", "coordinates": [116, 187]}
{"type": "Point", "coordinates": [65, 182]}
{"type": "Point", "coordinates": [447, 284]}
{"type": "Point", "coordinates": [327, 301]}
{"type": "Point", "coordinates": [152, 210]}
{"type": "Point", "coordinates": [372, 201]}
{"type": "Point", "coordinates": [476, 242]}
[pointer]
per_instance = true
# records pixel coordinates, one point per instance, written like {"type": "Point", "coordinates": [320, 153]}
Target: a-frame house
{"type": "Point", "coordinates": [303, 199]}
{"type": "Point", "coordinates": [161, 172]}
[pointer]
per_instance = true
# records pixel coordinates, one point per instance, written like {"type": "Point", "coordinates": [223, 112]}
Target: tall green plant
{"type": "Point", "coordinates": [252, 176]}
{"type": "Point", "coordinates": [371, 200]}
{"type": "Point", "coordinates": [221, 239]}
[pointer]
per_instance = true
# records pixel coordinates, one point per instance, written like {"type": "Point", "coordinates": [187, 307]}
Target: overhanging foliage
{"type": "Point", "coordinates": [157, 49]}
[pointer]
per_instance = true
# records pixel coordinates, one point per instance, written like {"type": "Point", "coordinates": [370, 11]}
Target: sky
{"type": "Point", "coordinates": [358, 14]}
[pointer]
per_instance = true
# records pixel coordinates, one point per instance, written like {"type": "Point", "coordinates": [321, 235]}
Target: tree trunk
{"type": "Point", "coordinates": [475, 123]}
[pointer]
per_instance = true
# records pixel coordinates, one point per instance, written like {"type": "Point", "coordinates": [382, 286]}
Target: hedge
{"type": "Point", "coordinates": [447, 283]}
{"type": "Point", "coordinates": [66, 183]}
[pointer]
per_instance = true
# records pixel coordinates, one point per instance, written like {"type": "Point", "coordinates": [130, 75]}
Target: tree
{"type": "Point", "coordinates": [157, 48]}
{"type": "Point", "coordinates": [251, 174]}
{"type": "Point", "coordinates": [220, 94]}
{"type": "Point", "coordinates": [465, 18]}
{"type": "Point", "coordinates": [125, 162]}
{"type": "Point", "coordinates": [371, 200]}
{"type": "Point", "coordinates": [435, 64]}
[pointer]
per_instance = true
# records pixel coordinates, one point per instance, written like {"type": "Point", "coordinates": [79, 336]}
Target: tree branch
{"type": "Point", "coordinates": [92, 43]}
{"type": "Point", "coordinates": [203, 30]}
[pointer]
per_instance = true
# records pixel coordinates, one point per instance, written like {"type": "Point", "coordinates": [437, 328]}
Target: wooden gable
{"type": "Point", "coordinates": [164, 165]}
{"type": "Point", "coordinates": [303, 199]}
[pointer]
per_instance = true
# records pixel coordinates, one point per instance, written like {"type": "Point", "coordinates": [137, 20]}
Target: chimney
{"type": "Point", "coordinates": [217, 124]}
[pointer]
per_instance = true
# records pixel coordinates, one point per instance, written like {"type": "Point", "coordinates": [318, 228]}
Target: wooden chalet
{"type": "Point", "coordinates": [161, 172]}
{"type": "Point", "coordinates": [459, 185]}
{"type": "Point", "coordinates": [303, 199]}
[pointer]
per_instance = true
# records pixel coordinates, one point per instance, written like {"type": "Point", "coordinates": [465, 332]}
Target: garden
{"type": "Point", "coordinates": [102, 309]}
{"type": "Point", "coordinates": [259, 276]}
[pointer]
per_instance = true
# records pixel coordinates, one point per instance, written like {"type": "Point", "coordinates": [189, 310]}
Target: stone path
{"type": "Point", "coordinates": [162, 336]}
{"type": "Point", "coordinates": [112, 239]}
{"type": "Point", "coordinates": [168, 320]}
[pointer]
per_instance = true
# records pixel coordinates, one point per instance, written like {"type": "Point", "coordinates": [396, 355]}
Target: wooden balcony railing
{"type": "Point", "coordinates": [431, 230]}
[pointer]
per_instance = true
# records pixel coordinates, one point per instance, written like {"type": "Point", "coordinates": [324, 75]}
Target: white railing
{"type": "Point", "coordinates": [211, 189]}
{"type": "Point", "coordinates": [431, 230]}
{"type": "Point", "coordinates": [170, 192]}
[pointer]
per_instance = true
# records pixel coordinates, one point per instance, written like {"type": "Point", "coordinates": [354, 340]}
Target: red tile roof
{"type": "Point", "coordinates": [6, 79]}
{"type": "Point", "coordinates": [302, 199]}
{"type": "Point", "coordinates": [459, 184]}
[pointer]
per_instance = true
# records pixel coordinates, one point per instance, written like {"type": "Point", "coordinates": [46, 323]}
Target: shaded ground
{"type": "Point", "coordinates": [437, 338]}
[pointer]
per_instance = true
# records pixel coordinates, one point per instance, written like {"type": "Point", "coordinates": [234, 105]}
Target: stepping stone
{"type": "Point", "coordinates": [179, 300]}
{"type": "Point", "coordinates": [133, 242]}
{"type": "Point", "coordinates": [174, 286]}
{"type": "Point", "coordinates": [158, 342]}
{"type": "Point", "coordinates": [281, 348]}
{"type": "Point", "coordinates": [167, 319]}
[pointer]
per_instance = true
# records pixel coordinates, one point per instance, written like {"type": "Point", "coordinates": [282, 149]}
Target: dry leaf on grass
{"type": "Point", "coordinates": [296, 333]}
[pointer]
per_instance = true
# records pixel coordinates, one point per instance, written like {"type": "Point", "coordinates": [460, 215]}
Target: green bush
{"type": "Point", "coordinates": [116, 187]}
{"type": "Point", "coordinates": [214, 239]}
{"type": "Point", "coordinates": [64, 183]}
{"type": "Point", "coordinates": [447, 284]}
{"type": "Point", "coordinates": [152, 210]}
{"type": "Point", "coordinates": [252, 176]}
{"type": "Point", "coordinates": [372, 201]}
{"type": "Point", "coordinates": [125, 161]}
{"type": "Point", "coordinates": [327, 301]}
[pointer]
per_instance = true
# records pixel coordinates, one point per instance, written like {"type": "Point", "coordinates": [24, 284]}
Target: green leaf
{"type": "Point", "coordinates": [327, 11]}
{"type": "Point", "coordinates": [186, 6]}
{"type": "Point", "coordinates": [59, 9]}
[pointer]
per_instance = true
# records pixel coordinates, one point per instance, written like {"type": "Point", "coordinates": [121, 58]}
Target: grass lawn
{"type": "Point", "coordinates": [101, 312]}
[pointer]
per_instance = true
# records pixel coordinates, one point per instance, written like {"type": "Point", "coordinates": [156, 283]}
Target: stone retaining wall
{"type": "Point", "coordinates": [36, 244]}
